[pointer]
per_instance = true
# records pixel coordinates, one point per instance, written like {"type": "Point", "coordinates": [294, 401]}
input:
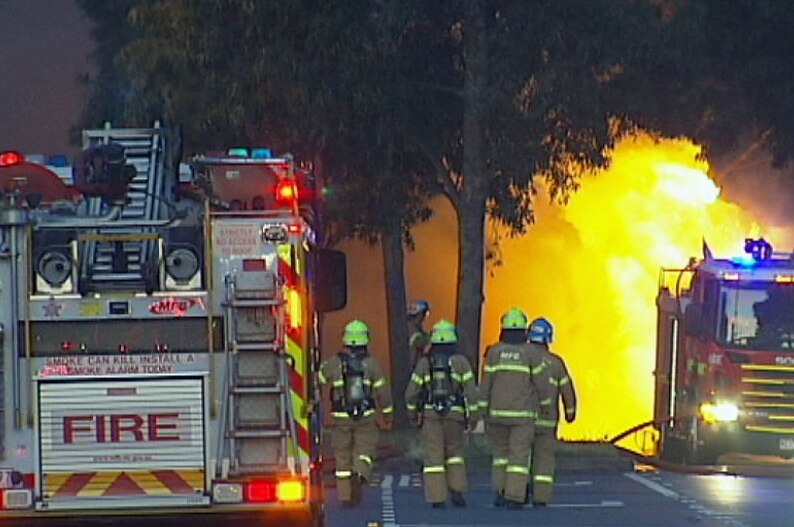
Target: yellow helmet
{"type": "Point", "coordinates": [356, 334]}
{"type": "Point", "coordinates": [514, 318]}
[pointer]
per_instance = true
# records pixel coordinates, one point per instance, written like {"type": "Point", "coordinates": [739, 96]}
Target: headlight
{"type": "Point", "coordinates": [719, 412]}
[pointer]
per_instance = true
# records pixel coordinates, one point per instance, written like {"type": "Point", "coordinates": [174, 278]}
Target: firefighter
{"type": "Point", "coordinates": [419, 339]}
{"type": "Point", "coordinates": [440, 395]}
{"type": "Point", "coordinates": [561, 387]}
{"type": "Point", "coordinates": [358, 389]}
{"type": "Point", "coordinates": [512, 385]}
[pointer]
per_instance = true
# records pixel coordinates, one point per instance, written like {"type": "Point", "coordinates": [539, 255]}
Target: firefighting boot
{"type": "Point", "coordinates": [499, 501]}
{"type": "Point", "coordinates": [356, 483]}
{"type": "Point", "coordinates": [457, 499]}
{"type": "Point", "coordinates": [514, 505]}
{"type": "Point", "coordinates": [439, 505]}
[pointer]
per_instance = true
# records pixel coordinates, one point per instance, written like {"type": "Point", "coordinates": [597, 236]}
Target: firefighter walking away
{"type": "Point", "coordinates": [511, 382]}
{"type": "Point", "coordinates": [358, 389]}
{"type": "Point", "coordinates": [439, 396]}
{"type": "Point", "coordinates": [561, 387]}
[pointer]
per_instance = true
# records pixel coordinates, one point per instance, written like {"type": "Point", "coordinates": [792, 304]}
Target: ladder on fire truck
{"type": "Point", "coordinates": [124, 257]}
{"type": "Point", "coordinates": [258, 415]}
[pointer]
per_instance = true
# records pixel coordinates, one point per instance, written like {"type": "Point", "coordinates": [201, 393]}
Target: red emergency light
{"type": "Point", "coordinates": [270, 490]}
{"type": "Point", "coordinates": [10, 158]}
{"type": "Point", "coordinates": [286, 192]}
{"type": "Point", "coordinates": [262, 491]}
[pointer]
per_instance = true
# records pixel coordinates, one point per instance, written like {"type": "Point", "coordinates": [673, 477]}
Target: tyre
{"type": "Point", "coordinates": [673, 449]}
{"type": "Point", "coordinates": [702, 447]}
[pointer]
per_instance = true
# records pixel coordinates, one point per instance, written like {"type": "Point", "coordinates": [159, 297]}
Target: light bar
{"type": "Point", "coordinates": [237, 152]}
{"type": "Point", "coordinates": [744, 261]}
{"type": "Point", "coordinates": [261, 153]}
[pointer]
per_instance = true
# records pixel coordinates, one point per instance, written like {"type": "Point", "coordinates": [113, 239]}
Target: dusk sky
{"type": "Point", "coordinates": [44, 47]}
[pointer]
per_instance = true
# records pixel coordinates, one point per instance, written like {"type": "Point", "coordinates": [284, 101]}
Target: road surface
{"type": "Point", "coordinates": [588, 499]}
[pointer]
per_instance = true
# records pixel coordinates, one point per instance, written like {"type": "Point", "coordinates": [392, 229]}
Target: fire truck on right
{"type": "Point", "coordinates": [724, 377]}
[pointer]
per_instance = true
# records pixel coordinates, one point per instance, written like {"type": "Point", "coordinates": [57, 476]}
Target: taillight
{"type": "Point", "coordinates": [10, 158]}
{"type": "Point", "coordinates": [286, 192]}
{"type": "Point", "coordinates": [290, 490]}
{"type": "Point", "coordinates": [261, 491]}
{"type": "Point", "coordinates": [16, 499]}
{"type": "Point", "coordinates": [269, 491]}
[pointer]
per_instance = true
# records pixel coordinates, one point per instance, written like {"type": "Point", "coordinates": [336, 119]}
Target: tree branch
{"type": "Point", "coordinates": [442, 175]}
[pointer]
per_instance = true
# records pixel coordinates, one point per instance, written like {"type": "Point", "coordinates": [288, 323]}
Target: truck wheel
{"type": "Point", "coordinates": [700, 450]}
{"type": "Point", "coordinates": [673, 449]}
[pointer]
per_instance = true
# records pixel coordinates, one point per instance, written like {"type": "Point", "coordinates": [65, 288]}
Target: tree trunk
{"type": "Point", "coordinates": [471, 260]}
{"type": "Point", "coordinates": [473, 193]}
{"type": "Point", "coordinates": [392, 246]}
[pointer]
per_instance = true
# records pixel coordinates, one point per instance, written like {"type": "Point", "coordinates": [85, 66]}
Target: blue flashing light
{"type": "Point", "coordinates": [261, 153]}
{"type": "Point", "coordinates": [237, 152]}
{"type": "Point", "coordinates": [760, 249]}
{"type": "Point", "coordinates": [746, 260]}
{"type": "Point", "coordinates": [59, 161]}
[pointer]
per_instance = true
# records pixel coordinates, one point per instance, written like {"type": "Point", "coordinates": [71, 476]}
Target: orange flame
{"type": "Point", "coordinates": [591, 267]}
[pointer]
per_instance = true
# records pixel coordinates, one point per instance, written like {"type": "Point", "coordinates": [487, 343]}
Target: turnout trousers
{"type": "Point", "coordinates": [444, 465]}
{"type": "Point", "coordinates": [543, 460]}
{"type": "Point", "coordinates": [354, 444]}
{"type": "Point", "coordinates": [511, 446]}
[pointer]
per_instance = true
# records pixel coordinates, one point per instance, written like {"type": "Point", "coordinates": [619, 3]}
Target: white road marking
{"type": "Point", "coordinates": [503, 525]}
{"type": "Point", "coordinates": [388, 514]}
{"type": "Point", "coordinates": [692, 504]}
{"type": "Point", "coordinates": [405, 479]}
{"type": "Point", "coordinates": [603, 504]}
{"type": "Point", "coordinates": [574, 484]}
{"type": "Point", "coordinates": [664, 491]}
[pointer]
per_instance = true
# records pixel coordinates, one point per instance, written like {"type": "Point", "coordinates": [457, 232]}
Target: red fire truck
{"type": "Point", "coordinates": [159, 333]}
{"type": "Point", "coordinates": [725, 356]}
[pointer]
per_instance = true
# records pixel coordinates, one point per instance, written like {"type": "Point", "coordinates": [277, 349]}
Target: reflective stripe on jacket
{"type": "Point", "coordinates": [330, 373]}
{"type": "Point", "coordinates": [514, 380]}
{"type": "Point", "coordinates": [561, 386]}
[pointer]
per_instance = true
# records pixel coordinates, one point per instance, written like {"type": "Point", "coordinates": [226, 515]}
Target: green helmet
{"type": "Point", "coordinates": [514, 318]}
{"type": "Point", "coordinates": [444, 333]}
{"type": "Point", "coordinates": [356, 334]}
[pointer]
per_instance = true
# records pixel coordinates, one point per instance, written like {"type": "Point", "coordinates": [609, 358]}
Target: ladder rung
{"type": "Point", "coordinates": [257, 389]}
{"type": "Point", "coordinates": [258, 302]}
{"type": "Point", "coordinates": [252, 434]}
{"type": "Point", "coordinates": [256, 346]}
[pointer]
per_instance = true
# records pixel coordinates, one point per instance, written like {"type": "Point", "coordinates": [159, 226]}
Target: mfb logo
{"type": "Point", "coordinates": [120, 428]}
{"type": "Point", "coordinates": [784, 360]}
{"type": "Point", "coordinates": [175, 306]}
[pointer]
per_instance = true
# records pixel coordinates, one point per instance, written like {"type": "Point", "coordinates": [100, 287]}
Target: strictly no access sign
{"type": "Point", "coordinates": [120, 365]}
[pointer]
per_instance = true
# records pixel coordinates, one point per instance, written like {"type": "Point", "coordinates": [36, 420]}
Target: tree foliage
{"type": "Point", "coordinates": [397, 100]}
